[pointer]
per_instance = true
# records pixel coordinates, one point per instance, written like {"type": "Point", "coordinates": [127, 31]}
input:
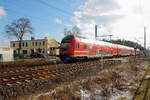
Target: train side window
{"type": "Point", "coordinates": [100, 51]}
{"type": "Point", "coordinates": [97, 52]}
{"type": "Point", "coordinates": [84, 46]}
{"type": "Point", "coordinates": [77, 45]}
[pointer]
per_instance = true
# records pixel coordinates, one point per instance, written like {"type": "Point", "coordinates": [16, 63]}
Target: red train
{"type": "Point", "coordinates": [76, 47]}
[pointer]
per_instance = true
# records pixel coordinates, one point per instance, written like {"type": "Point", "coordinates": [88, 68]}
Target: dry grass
{"type": "Point", "coordinates": [88, 85]}
{"type": "Point", "coordinates": [44, 97]}
{"type": "Point", "coordinates": [66, 93]}
{"type": "Point", "coordinates": [120, 78]}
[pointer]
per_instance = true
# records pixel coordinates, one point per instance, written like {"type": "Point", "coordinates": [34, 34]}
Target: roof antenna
{"type": "Point", "coordinates": [95, 32]}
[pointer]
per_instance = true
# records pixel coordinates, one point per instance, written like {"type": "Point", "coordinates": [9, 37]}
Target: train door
{"type": "Point", "coordinates": [90, 51]}
{"type": "Point", "coordinates": [111, 51]}
{"type": "Point", "coordinates": [117, 50]}
{"type": "Point", "coordinates": [114, 50]}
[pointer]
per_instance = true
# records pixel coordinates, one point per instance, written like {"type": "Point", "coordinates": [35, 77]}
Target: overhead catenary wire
{"type": "Point", "coordinates": [17, 13]}
{"type": "Point", "coordinates": [35, 18]}
{"type": "Point", "coordinates": [47, 5]}
{"type": "Point", "coordinates": [56, 8]}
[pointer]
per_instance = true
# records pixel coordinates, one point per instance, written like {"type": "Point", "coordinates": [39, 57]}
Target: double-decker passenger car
{"type": "Point", "coordinates": [77, 47]}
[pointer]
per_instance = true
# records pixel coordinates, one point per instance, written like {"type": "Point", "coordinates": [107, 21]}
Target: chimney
{"type": "Point", "coordinates": [32, 38]}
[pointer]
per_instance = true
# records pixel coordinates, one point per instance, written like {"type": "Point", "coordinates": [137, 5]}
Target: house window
{"type": "Point", "coordinates": [39, 50]}
{"type": "Point", "coordinates": [13, 44]}
{"type": "Point", "coordinates": [25, 51]}
{"type": "Point", "coordinates": [26, 44]}
{"type": "Point", "coordinates": [19, 44]}
{"type": "Point", "coordinates": [36, 43]}
{"type": "Point", "coordinates": [32, 51]}
{"type": "Point", "coordinates": [39, 43]}
{"type": "Point", "coordinates": [32, 43]}
{"type": "Point", "coordinates": [23, 44]}
{"type": "Point", "coordinates": [43, 43]}
{"type": "Point", "coordinates": [43, 50]}
{"type": "Point", "coordinates": [15, 52]}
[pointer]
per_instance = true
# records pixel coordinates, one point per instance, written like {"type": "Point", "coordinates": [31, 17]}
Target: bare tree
{"type": "Point", "coordinates": [75, 31]}
{"type": "Point", "coordinates": [65, 31]}
{"type": "Point", "coordinates": [18, 28]}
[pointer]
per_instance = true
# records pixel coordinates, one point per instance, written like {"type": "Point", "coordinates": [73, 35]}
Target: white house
{"type": "Point", "coordinates": [6, 54]}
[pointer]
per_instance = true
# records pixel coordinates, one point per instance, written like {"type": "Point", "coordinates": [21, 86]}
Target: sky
{"type": "Point", "coordinates": [124, 19]}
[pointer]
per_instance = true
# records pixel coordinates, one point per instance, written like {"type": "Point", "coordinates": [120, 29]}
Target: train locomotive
{"type": "Point", "coordinates": [77, 47]}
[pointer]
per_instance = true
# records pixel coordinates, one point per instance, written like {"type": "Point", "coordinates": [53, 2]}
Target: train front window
{"type": "Point", "coordinates": [67, 39]}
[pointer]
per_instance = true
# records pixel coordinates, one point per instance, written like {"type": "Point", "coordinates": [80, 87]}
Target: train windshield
{"type": "Point", "coordinates": [64, 46]}
{"type": "Point", "coordinates": [65, 43]}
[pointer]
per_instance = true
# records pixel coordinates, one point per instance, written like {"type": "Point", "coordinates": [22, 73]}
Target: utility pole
{"type": "Point", "coordinates": [145, 37]}
{"type": "Point", "coordinates": [110, 36]}
{"type": "Point", "coordinates": [95, 32]}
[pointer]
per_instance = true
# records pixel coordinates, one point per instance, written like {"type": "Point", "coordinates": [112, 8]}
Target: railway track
{"type": "Point", "coordinates": [18, 67]}
{"type": "Point", "coordinates": [21, 69]}
{"type": "Point", "coordinates": [40, 72]}
{"type": "Point", "coordinates": [36, 78]}
{"type": "Point", "coordinates": [15, 67]}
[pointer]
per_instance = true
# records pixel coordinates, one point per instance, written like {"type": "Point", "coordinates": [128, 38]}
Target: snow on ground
{"type": "Point", "coordinates": [106, 85]}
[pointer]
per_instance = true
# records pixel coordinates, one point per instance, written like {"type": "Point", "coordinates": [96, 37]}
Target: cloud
{"type": "Point", "coordinates": [57, 21]}
{"type": "Point", "coordinates": [122, 18]}
{"type": "Point", "coordinates": [92, 12]}
{"type": "Point", "coordinates": [46, 34]}
{"type": "Point", "coordinates": [67, 25]}
{"type": "Point", "coordinates": [131, 26]}
{"type": "Point", "coordinates": [2, 12]}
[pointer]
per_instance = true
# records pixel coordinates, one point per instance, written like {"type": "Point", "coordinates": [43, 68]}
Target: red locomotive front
{"type": "Point", "coordinates": [72, 47]}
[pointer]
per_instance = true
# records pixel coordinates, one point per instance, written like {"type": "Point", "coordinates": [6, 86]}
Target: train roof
{"type": "Point", "coordinates": [98, 42]}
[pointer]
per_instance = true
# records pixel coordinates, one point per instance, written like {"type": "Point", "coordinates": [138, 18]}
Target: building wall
{"type": "Point", "coordinates": [6, 54]}
{"type": "Point", "coordinates": [53, 47]}
{"type": "Point", "coordinates": [35, 45]}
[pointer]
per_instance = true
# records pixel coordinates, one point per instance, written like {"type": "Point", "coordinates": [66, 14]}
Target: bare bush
{"type": "Point", "coordinates": [88, 85]}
